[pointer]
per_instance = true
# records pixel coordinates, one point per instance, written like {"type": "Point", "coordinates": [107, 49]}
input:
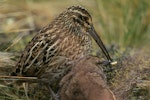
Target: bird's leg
{"type": "Point", "coordinates": [54, 96]}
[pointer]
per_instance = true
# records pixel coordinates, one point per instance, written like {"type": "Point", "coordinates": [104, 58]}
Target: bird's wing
{"type": "Point", "coordinates": [37, 54]}
{"type": "Point", "coordinates": [56, 69]}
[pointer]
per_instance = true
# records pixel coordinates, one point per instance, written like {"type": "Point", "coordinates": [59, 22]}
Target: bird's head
{"type": "Point", "coordinates": [79, 21]}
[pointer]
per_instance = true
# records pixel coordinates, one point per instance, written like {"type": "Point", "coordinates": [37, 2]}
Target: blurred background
{"type": "Point", "coordinates": [124, 26]}
{"type": "Point", "coordinates": [122, 23]}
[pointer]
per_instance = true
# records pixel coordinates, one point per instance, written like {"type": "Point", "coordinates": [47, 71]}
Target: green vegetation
{"type": "Point", "coordinates": [124, 26]}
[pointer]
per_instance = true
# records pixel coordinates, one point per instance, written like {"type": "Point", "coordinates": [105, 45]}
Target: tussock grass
{"type": "Point", "coordinates": [122, 25]}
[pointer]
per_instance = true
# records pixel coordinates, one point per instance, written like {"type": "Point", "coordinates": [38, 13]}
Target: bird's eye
{"type": "Point", "coordinates": [81, 17]}
{"type": "Point", "coordinates": [87, 22]}
{"type": "Point", "coordinates": [84, 18]}
{"type": "Point", "coordinates": [77, 20]}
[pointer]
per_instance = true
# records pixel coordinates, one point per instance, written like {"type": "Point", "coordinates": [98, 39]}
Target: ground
{"type": "Point", "coordinates": [124, 26]}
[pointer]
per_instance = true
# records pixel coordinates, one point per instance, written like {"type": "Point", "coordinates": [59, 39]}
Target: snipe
{"type": "Point", "coordinates": [66, 38]}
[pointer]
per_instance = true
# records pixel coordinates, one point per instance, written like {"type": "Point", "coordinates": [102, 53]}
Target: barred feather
{"type": "Point", "coordinates": [65, 39]}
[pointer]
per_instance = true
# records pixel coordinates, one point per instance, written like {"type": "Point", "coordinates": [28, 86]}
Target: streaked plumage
{"type": "Point", "coordinates": [65, 39]}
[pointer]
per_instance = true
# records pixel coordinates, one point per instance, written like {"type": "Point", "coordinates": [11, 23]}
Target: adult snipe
{"type": "Point", "coordinates": [67, 37]}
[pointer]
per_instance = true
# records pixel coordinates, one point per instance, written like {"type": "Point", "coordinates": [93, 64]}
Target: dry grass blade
{"type": "Point", "coordinates": [22, 79]}
{"type": "Point", "coordinates": [19, 37]}
{"type": "Point", "coordinates": [5, 60]}
{"type": "Point", "coordinates": [126, 25]}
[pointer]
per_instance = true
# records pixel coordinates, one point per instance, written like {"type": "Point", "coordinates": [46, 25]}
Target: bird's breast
{"type": "Point", "coordinates": [74, 47]}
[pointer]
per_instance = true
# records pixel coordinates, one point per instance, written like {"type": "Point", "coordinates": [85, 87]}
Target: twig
{"type": "Point", "coordinates": [23, 79]}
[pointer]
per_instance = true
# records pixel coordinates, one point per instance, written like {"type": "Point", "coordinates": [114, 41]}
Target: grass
{"type": "Point", "coordinates": [123, 25]}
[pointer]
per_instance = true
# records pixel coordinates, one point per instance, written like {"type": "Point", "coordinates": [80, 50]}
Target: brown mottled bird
{"type": "Point", "coordinates": [86, 81]}
{"type": "Point", "coordinates": [66, 38]}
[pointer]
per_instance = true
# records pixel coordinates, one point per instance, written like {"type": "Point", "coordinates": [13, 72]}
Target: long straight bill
{"type": "Point", "coordinates": [100, 43]}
